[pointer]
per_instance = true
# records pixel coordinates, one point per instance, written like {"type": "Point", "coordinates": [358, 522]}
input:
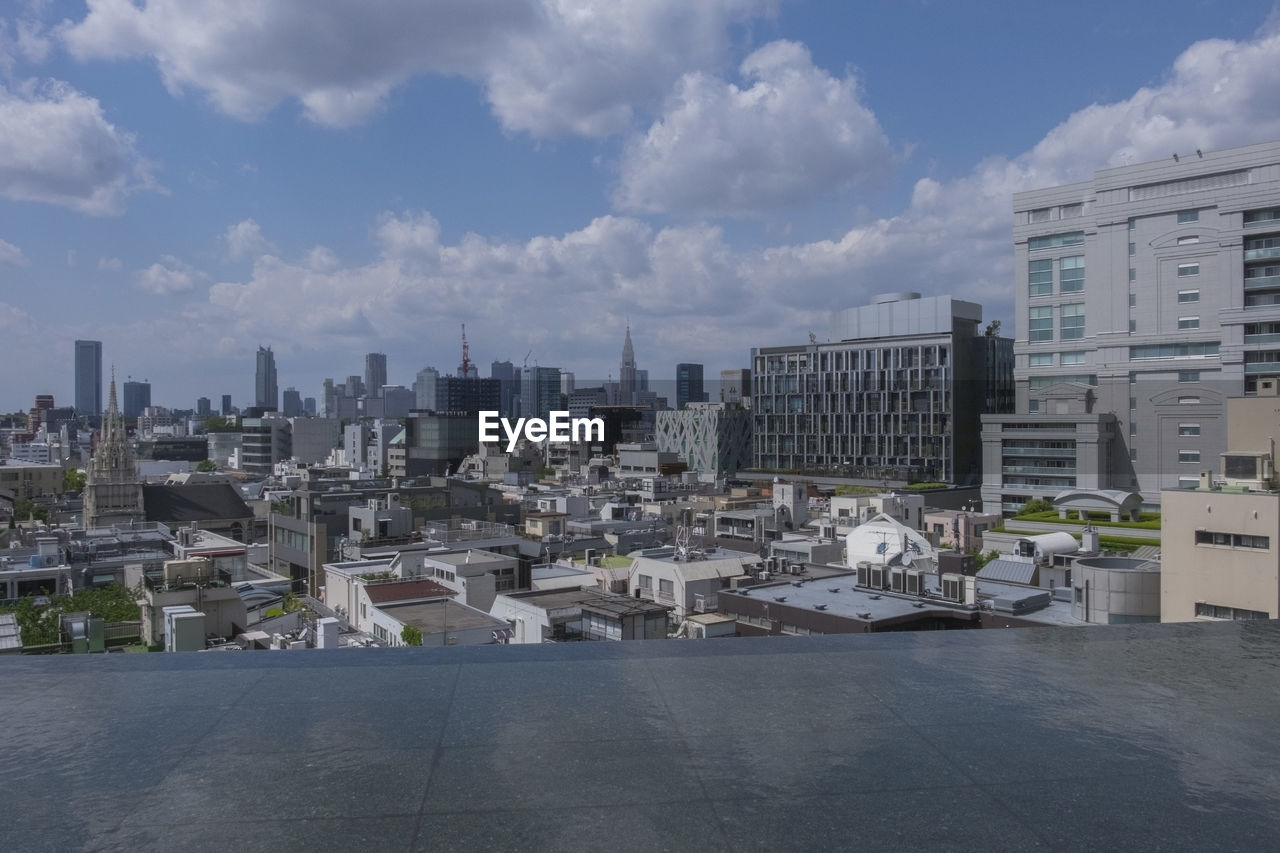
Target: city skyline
{"type": "Point", "coordinates": [544, 178]}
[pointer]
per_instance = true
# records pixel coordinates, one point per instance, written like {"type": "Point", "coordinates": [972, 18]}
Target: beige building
{"type": "Point", "coordinates": [1219, 555]}
{"type": "Point", "coordinates": [30, 479]}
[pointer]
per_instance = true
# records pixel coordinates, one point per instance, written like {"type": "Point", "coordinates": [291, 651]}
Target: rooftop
{"type": "Point", "coordinates": [439, 614]}
{"type": "Point", "coordinates": [1124, 737]}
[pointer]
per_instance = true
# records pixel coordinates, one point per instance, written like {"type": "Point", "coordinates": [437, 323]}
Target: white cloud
{"type": "Point", "coordinates": [57, 147]}
{"type": "Point", "coordinates": [549, 67]}
{"type": "Point", "coordinates": [168, 276]}
{"type": "Point", "coordinates": [796, 132]}
{"type": "Point", "coordinates": [11, 254]}
{"type": "Point", "coordinates": [244, 240]}
{"type": "Point", "coordinates": [110, 264]}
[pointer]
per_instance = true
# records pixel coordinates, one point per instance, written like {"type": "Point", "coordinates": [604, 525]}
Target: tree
{"type": "Point", "coordinates": [1034, 506]}
{"type": "Point", "coordinates": [25, 508]}
{"type": "Point", "coordinates": [73, 480]}
{"type": "Point", "coordinates": [205, 466]}
{"type": "Point", "coordinates": [993, 329]}
{"type": "Point", "coordinates": [411, 636]}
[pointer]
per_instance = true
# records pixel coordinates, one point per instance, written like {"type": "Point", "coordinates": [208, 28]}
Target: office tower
{"type": "Point", "coordinates": [204, 407]}
{"type": "Point", "coordinates": [689, 385]}
{"type": "Point", "coordinates": [424, 389]}
{"type": "Point", "coordinates": [539, 391]}
{"type": "Point", "coordinates": [226, 405]}
{"type": "Point", "coordinates": [627, 372]}
{"type": "Point", "coordinates": [467, 394]}
{"type": "Point", "coordinates": [266, 395]}
{"type": "Point", "coordinates": [137, 396]}
{"type": "Point", "coordinates": [89, 378]}
{"type": "Point", "coordinates": [292, 403]}
{"type": "Point", "coordinates": [567, 383]}
{"type": "Point", "coordinates": [508, 388]}
{"type": "Point", "coordinates": [713, 439]}
{"type": "Point", "coordinates": [375, 373]}
{"type": "Point", "coordinates": [1144, 297]}
{"type": "Point", "coordinates": [355, 387]}
{"type": "Point", "coordinates": [309, 406]}
{"type": "Point", "coordinates": [895, 395]}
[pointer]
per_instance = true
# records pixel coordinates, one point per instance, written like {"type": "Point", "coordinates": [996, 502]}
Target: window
{"type": "Point", "coordinates": [1132, 223]}
{"type": "Point", "coordinates": [1188, 482]}
{"type": "Point", "coordinates": [1133, 427]}
{"type": "Point", "coordinates": [1157, 351]}
{"type": "Point", "coordinates": [1188, 323]}
{"type": "Point", "coordinates": [1074, 357]}
{"type": "Point", "coordinates": [646, 582]}
{"type": "Point", "coordinates": [1185, 216]}
{"type": "Point", "coordinates": [1188, 455]}
{"type": "Point", "coordinates": [1185, 430]}
{"type": "Point", "coordinates": [1133, 274]}
{"type": "Point", "coordinates": [1188, 240]}
{"type": "Point", "coordinates": [1133, 248]}
{"type": "Point", "coordinates": [1071, 321]}
{"type": "Point", "coordinates": [1041, 359]}
{"type": "Point", "coordinates": [1186, 296]}
{"type": "Point", "coordinates": [1071, 274]}
{"type": "Point", "coordinates": [1133, 326]}
{"type": "Point", "coordinates": [1261, 217]}
{"type": "Point", "coordinates": [1133, 402]}
{"type": "Point", "coordinates": [1218, 611]}
{"type": "Point", "coordinates": [1133, 300]}
{"type": "Point", "coordinates": [1232, 540]}
{"type": "Point", "coordinates": [1040, 325]}
{"type": "Point", "coordinates": [1188, 376]}
{"type": "Point", "coordinates": [1185, 270]}
{"type": "Point", "coordinates": [1188, 401]}
{"type": "Point", "coordinates": [1053, 241]}
{"type": "Point", "coordinates": [1041, 215]}
{"type": "Point", "coordinates": [665, 587]}
{"type": "Point", "coordinates": [1040, 276]}
{"type": "Point", "coordinates": [1133, 454]}
{"type": "Point", "coordinates": [1071, 210]}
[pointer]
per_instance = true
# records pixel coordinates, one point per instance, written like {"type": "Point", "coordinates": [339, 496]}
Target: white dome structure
{"type": "Point", "coordinates": [882, 539]}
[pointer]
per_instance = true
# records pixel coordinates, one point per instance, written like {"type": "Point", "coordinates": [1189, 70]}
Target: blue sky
{"type": "Point", "coordinates": [188, 179]}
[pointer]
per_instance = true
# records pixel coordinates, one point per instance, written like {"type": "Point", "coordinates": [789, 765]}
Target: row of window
{"type": "Point", "coordinates": [1232, 540]}
{"type": "Point", "coordinates": [1046, 214]}
{"type": "Point", "coordinates": [1070, 275]}
{"type": "Point", "coordinates": [1070, 323]}
{"type": "Point", "coordinates": [1195, 349]}
{"type": "Point", "coordinates": [1218, 611]}
{"type": "Point", "coordinates": [1046, 359]}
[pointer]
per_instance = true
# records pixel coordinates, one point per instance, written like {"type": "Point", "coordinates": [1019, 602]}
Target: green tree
{"type": "Point", "coordinates": [73, 480]}
{"type": "Point", "coordinates": [25, 508]}
{"type": "Point", "coordinates": [218, 424]}
{"type": "Point", "coordinates": [1034, 506]}
{"type": "Point", "coordinates": [205, 466]}
{"type": "Point", "coordinates": [411, 636]}
{"type": "Point", "coordinates": [993, 329]}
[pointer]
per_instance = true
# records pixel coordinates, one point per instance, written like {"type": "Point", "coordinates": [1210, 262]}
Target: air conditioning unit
{"type": "Point", "coordinates": [879, 577]}
{"type": "Point", "coordinates": [898, 579]}
{"type": "Point", "coordinates": [864, 574]}
{"type": "Point", "coordinates": [915, 582]}
{"type": "Point", "coordinates": [953, 587]}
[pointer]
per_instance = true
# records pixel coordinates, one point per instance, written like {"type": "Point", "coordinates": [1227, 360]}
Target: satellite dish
{"type": "Point", "coordinates": [906, 558]}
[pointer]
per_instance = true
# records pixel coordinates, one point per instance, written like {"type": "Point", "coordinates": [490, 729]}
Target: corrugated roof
{"type": "Point", "coordinates": [1008, 571]}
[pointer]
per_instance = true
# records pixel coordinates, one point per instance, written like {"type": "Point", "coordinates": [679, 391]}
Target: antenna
{"type": "Point", "coordinates": [466, 353]}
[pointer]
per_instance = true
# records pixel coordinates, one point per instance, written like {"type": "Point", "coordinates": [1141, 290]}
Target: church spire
{"type": "Point", "coordinates": [113, 486]}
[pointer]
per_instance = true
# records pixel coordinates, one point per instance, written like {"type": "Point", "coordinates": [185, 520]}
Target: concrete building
{"type": "Point", "coordinates": [713, 439]}
{"type": "Point", "coordinates": [895, 394]}
{"type": "Point", "coordinates": [266, 439]}
{"type": "Point", "coordinates": [735, 386]}
{"type": "Point", "coordinates": [1149, 295]}
{"type": "Point", "coordinates": [687, 584]}
{"type": "Point", "coordinates": [30, 479]}
{"type": "Point", "coordinates": [468, 394]}
{"type": "Point", "coordinates": [539, 391]}
{"type": "Point", "coordinates": [292, 403]}
{"type": "Point", "coordinates": [508, 386]}
{"type": "Point", "coordinates": [313, 439]}
{"type": "Point", "coordinates": [89, 378]}
{"type": "Point", "coordinates": [265, 392]}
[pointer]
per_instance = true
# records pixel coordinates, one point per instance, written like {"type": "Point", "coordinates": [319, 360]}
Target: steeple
{"type": "Point", "coordinates": [627, 371]}
{"type": "Point", "coordinates": [113, 486]}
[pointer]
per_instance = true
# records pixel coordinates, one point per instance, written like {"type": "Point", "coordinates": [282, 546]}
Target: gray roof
{"type": "Point", "coordinates": [1009, 571]}
{"type": "Point", "coordinates": [1129, 737]}
{"type": "Point", "coordinates": [194, 502]}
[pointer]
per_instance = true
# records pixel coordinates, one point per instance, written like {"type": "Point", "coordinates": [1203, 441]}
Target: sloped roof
{"type": "Point", "coordinates": [1008, 571]}
{"type": "Point", "coordinates": [193, 502]}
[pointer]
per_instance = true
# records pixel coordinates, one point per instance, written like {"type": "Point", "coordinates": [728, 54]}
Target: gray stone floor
{"type": "Point", "coordinates": [1138, 738]}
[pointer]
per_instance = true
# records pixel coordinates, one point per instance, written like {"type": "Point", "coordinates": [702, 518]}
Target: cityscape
{"type": "Point", "coordinates": [634, 421]}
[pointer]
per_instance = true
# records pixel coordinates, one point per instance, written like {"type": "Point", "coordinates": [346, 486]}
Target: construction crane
{"type": "Point", "coordinates": [466, 353]}
{"type": "Point", "coordinates": [526, 357]}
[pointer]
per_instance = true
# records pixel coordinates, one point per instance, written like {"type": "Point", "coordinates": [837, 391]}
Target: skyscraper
{"type": "Point", "coordinates": [265, 393]}
{"type": "Point", "coordinates": [375, 373]}
{"type": "Point", "coordinates": [89, 378]}
{"type": "Point", "coordinates": [137, 396]}
{"type": "Point", "coordinates": [627, 372]}
{"type": "Point", "coordinates": [226, 405]}
{"type": "Point", "coordinates": [688, 384]}
{"type": "Point", "coordinates": [292, 403]}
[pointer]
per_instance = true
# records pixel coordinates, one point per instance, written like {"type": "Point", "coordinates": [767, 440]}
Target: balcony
{"type": "Point", "coordinates": [1262, 254]}
{"type": "Point", "coordinates": [1033, 469]}
{"type": "Point", "coordinates": [1058, 452]}
{"type": "Point", "coordinates": [1262, 339]}
{"type": "Point", "coordinates": [1255, 367]}
{"type": "Point", "coordinates": [1262, 282]}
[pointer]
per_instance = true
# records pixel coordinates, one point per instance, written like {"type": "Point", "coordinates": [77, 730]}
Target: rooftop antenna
{"type": "Point", "coordinates": [466, 353]}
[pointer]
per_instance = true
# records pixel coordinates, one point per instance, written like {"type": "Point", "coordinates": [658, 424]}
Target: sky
{"type": "Point", "coordinates": [188, 180]}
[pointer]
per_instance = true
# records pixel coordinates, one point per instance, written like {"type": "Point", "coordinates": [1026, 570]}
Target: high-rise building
{"type": "Point", "coordinates": [309, 406]}
{"type": "Point", "coordinates": [713, 439]}
{"type": "Point", "coordinates": [375, 373]}
{"type": "Point", "coordinates": [137, 396]}
{"type": "Point", "coordinates": [508, 388]}
{"type": "Point", "coordinates": [689, 385]}
{"type": "Point", "coordinates": [735, 386]}
{"type": "Point", "coordinates": [226, 405]}
{"type": "Point", "coordinates": [89, 378]}
{"type": "Point", "coordinates": [424, 389]}
{"type": "Point", "coordinates": [1144, 298]}
{"type": "Point", "coordinates": [466, 394]}
{"type": "Point", "coordinates": [265, 393]}
{"type": "Point", "coordinates": [539, 391]}
{"type": "Point", "coordinates": [204, 407]}
{"type": "Point", "coordinates": [896, 394]}
{"type": "Point", "coordinates": [292, 402]}
{"type": "Point", "coordinates": [113, 486]}
{"type": "Point", "coordinates": [627, 372]}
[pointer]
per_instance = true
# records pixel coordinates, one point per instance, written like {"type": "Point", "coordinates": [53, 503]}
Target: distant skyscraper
{"type": "Point", "coordinates": [424, 389]}
{"type": "Point", "coordinates": [137, 396]}
{"type": "Point", "coordinates": [539, 391]}
{"type": "Point", "coordinates": [355, 386]}
{"type": "Point", "coordinates": [509, 388]}
{"type": "Point", "coordinates": [265, 393]}
{"type": "Point", "coordinates": [688, 385]}
{"type": "Point", "coordinates": [226, 405]}
{"type": "Point", "coordinates": [309, 406]}
{"type": "Point", "coordinates": [735, 385]}
{"type": "Point", "coordinates": [627, 372]}
{"type": "Point", "coordinates": [292, 403]}
{"type": "Point", "coordinates": [375, 373]}
{"type": "Point", "coordinates": [567, 383]}
{"type": "Point", "coordinates": [89, 378]}
{"type": "Point", "coordinates": [204, 407]}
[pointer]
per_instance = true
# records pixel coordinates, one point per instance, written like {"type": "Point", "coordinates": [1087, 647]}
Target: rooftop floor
{"type": "Point", "coordinates": [1126, 737]}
